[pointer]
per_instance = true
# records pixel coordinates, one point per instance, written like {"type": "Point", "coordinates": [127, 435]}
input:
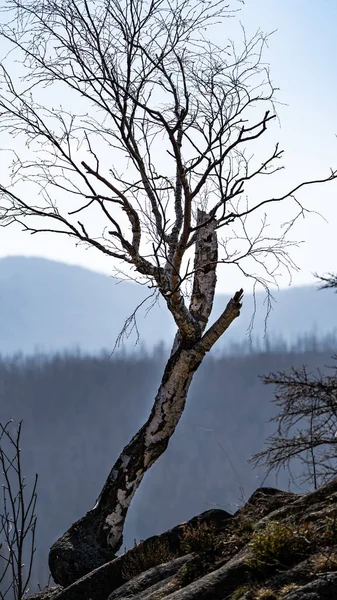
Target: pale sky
{"type": "Point", "coordinates": [302, 54]}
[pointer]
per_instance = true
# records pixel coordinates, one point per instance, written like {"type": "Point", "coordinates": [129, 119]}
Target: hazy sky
{"type": "Point", "coordinates": [302, 54]}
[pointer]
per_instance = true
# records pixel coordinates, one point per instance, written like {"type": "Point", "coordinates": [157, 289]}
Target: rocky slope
{"type": "Point", "coordinates": [279, 546]}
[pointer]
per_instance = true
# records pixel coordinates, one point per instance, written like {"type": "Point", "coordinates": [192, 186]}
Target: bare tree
{"type": "Point", "coordinates": [306, 425]}
{"type": "Point", "coordinates": [148, 169]}
{"type": "Point", "coordinates": [307, 419]}
{"type": "Point", "coordinates": [18, 519]}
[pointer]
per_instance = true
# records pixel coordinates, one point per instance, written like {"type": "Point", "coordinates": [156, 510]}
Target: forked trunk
{"type": "Point", "coordinates": [94, 539]}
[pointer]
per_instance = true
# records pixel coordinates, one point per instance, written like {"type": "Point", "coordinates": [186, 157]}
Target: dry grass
{"type": "Point", "coordinates": [289, 587]}
{"type": "Point", "coordinates": [202, 538]}
{"type": "Point", "coordinates": [144, 556]}
{"type": "Point", "coordinates": [325, 562]}
{"type": "Point", "coordinates": [266, 594]}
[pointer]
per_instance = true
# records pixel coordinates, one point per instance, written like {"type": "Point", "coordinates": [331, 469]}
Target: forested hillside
{"type": "Point", "coordinates": [80, 411]}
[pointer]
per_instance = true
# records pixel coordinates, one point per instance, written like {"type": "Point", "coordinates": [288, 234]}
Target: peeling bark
{"type": "Point", "coordinates": [205, 263]}
{"type": "Point", "coordinates": [94, 539]}
{"type": "Point", "coordinates": [204, 281]}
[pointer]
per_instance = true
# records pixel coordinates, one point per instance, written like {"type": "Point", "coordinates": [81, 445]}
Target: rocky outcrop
{"type": "Point", "coordinates": [278, 546]}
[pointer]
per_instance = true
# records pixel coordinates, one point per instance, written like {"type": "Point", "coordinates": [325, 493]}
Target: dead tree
{"type": "Point", "coordinates": [306, 425]}
{"type": "Point", "coordinates": [17, 519]}
{"type": "Point", "coordinates": [307, 419]}
{"type": "Point", "coordinates": [147, 167]}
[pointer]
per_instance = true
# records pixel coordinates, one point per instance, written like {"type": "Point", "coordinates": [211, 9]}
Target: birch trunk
{"type": "Point", "coordinates": [94, 539]}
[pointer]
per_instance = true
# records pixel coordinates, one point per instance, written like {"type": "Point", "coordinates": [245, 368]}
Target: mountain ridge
{"type": "Point", "coordinates": [48, 306]}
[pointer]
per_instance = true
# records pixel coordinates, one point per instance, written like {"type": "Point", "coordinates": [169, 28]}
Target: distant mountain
{"type": "Point", "coordinates": [49, 306]}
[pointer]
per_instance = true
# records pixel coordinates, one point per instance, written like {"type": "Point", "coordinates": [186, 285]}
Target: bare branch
{"type": "Point", "coordinates": [329, 281]}
{"type": "Point", "coordinates": [306, 424]}
{"type": "Point", "coordinates": [18, 519]}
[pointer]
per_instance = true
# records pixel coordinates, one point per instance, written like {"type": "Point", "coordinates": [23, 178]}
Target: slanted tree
{"type": "Point", "coordinates": [146, 160]}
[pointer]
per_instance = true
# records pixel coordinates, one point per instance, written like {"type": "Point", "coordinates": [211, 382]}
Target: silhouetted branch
{"type": "Point", "coordinates": [18, 519]}
{"type": "Point", "coordinates": [306, 424]}
{"type": "Point", "coordinates": [329, 281]}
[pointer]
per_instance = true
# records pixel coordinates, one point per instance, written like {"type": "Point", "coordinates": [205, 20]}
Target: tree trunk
{"type": "Point", "coordinates": [94, 539]}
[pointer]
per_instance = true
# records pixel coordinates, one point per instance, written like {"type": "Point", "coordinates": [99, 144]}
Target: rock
{"type": "Point", "coordinates": [324, 588]}
{"type": "Point", "coordinates": [217, 585]}
{"type": "Point", "coordinates": [156, 579]}
{"type": "Point", "coordinates": [69, 568]}
{"type": "Point", "coordinates": [280, 544]}
{"type": "Point", "coordinates": [65, 576]}
{"type": "Point", "coordinates": [48, 593]}
{"type": "Point", "coordinates": [264, 501]}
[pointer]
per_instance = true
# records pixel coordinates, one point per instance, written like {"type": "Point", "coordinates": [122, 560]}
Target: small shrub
{"type": "Point", "coordinates": [145, 557]}
{"type": "Point", "coordinates": [185, 575]}
{"type": "Point", "coordinates": [202, 538]}
{"type": "Point", "coordinates": [278, 544]}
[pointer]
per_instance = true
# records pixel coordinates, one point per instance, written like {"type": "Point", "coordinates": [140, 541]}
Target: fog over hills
{"type": "Point", "coordinates": [49, 306]}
